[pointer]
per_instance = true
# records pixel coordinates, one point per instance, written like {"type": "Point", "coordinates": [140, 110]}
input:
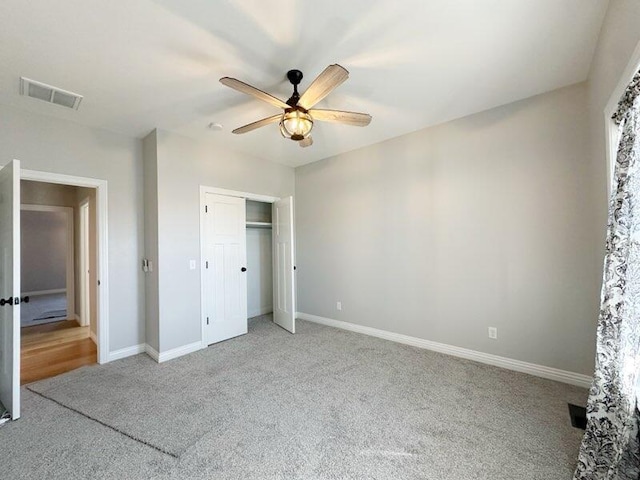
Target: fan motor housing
{"type": "Point", "coordinates": [294, 76]}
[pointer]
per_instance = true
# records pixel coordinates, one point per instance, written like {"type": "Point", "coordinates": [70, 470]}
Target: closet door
{"type": "Point", "coordinates": [283, 254]}
{"type": "Point", "coordinates": [225, 279]}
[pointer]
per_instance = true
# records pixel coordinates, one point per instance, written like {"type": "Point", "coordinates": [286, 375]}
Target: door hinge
{"type": "Point", "coordinates": [206, 209]}
{"type": "Point", "coordinates": [207, 320]}
{"type": "Point", "coordinates": [206, 264]}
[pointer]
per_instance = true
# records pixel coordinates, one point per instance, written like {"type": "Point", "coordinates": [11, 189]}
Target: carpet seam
{"type": "Point", "coordinates": [155, 447]}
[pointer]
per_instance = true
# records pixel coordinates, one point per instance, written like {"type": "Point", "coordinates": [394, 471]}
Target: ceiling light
{"type": "Point", "coordinates": [295, 124]}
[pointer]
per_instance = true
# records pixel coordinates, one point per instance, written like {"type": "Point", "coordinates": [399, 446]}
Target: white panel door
{"type": "Point", "coordinates": [284, 299]}
{"type": "Point", "coordinates": [225, 279]}
{"type": "Point", "coordinates": [10, 288]}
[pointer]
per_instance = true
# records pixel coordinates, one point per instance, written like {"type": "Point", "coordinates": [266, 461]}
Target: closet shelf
{"type": "Point", "coordinates": [258, 224]}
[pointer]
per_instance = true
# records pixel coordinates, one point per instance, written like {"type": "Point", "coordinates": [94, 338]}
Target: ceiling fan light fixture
{"type": "Point", "coordinates": [296, 124]}
{"type": "Point", "coordinates": [299, 114]}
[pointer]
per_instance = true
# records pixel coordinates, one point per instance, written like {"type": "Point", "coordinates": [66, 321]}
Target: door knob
{"type": "Point", "coordinates": [25, 299]}
{"type": "Point", "coordinates": [243, 269]}
{"type": "Point", "coordinates": [7, 301]}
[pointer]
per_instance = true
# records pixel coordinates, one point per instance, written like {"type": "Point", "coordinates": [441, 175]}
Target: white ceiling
{"type": "Point", "coordinates": [143, 64]}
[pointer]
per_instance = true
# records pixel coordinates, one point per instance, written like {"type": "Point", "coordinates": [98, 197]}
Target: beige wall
{"type": "Point", "coordinates": [42, 193]}
{"type": "Point", "coordinates": [483, 221]}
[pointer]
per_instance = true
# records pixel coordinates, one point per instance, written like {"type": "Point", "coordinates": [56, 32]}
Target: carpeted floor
{"type": "Point", "coordinates": [321, 404]}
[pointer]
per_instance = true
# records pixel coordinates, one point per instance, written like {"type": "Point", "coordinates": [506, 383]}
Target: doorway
{"type": "Point", "coordinates": [57, 233]}
{"type": "Point", "coordinates": [100, 279]}
{"type": "Point", "coordinates": [247, 270]}
{"type": "Point", "coordinates": [10, 295]}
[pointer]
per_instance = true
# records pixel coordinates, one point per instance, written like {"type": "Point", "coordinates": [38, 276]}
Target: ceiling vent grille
{"type": "Point", "coordinates": [48, 93]}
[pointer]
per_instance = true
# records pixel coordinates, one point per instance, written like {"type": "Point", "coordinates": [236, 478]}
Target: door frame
{"type": "Point", "coordinates": [102, 251]}
{"type": "Point", "coordinates": [70, 259]}
{"type": "Point", "coordinates": [230, 193]}
{"type": "Point", "coordinates": [84, 257]}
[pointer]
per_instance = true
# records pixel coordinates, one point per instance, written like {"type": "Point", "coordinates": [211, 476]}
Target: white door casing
{"type": "Point", "coordinates": [224, 281]}
{"type": "Point", "coordinates": [84, 280]}
{"type": "Point", "coordinates": [283, 265]}
{"type": "Point", "coordinates": [10, 287]}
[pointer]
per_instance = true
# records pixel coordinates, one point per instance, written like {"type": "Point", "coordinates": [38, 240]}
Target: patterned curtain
{"type": "Point", "coordinates": [610, 447]}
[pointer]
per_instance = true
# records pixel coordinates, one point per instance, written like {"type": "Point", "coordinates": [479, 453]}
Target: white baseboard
{"type": "Point", "coordinates": [152, 352]}
{"type": "Point", "coordinates": [173, 353]}
{"type": "Point", "coordinates": [78, 318]}
{"type": "Point", "coordinates": [124, 352]}
{"type": "Point", "coordinates": [35, 293]}
{"type": "Point", "coordinates": [556, 374]}
{"type": "Point", "coordinates": [260, 311]}
{"type": "Point", "coordinates": [93, 337]}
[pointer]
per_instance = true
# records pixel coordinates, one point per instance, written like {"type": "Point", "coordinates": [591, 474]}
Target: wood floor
{"type": "Point", "coordinates": [54, 348]}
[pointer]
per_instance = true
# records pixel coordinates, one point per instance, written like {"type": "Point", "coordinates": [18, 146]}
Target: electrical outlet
{"type": "Point", "coordinates": [493, 333]}
{"type": "Point", "coordinates": [339, 306]}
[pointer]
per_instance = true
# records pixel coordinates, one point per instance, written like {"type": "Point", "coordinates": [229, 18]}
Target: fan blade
{"type": "Point", "coordinates": [306, 142]}
{"type": "Point", "coordinates": [258, 124]}
{"type": "Point", "coordinates": [337, 116]}
{"type": "Point", "coordinates": [323, 85]}
{"type": "Point", "coordinates": [253, 91]}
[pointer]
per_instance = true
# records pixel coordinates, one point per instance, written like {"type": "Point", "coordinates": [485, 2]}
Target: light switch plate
{"type": "Point", "coordinates": [192, 264]}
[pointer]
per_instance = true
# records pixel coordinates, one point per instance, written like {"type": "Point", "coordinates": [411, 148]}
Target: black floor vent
{"type": "Point", "coordinates": [578, 416]}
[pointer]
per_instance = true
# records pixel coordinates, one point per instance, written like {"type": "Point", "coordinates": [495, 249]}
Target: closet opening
{"type": "Point", "coordinates": [247, 252]}
{"type": "Point", "coordinates": [259, 259]}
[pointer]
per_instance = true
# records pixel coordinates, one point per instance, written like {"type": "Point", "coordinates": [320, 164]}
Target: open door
{"type": "Point", "coordinates": [10, 289]}
{"type": "Point", "coordinates": [284, 299]}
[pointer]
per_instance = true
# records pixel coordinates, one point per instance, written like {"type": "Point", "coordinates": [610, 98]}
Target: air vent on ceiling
{"type": "Point", "coordinates": [48, 93]}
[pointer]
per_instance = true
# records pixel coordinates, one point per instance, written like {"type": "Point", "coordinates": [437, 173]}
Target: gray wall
{"type": "Point", "coordinates": [54, 145]}
{"type": "Point", "coordinates": [43, 264]}
{"type": "Point", "coordinates": [152, 299]}
{"type": "Point", "coordinates": [259, 272]}
{"type": "Point", "coordinates": [183, 164]}
{"type": "Point", "coordinates": [259, 260]}
{"type": "Point", "coordinates": [483, 221]}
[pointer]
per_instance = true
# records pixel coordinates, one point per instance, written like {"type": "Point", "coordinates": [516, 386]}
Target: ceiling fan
{"type": "Point", "coordinates": [297, 119]}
